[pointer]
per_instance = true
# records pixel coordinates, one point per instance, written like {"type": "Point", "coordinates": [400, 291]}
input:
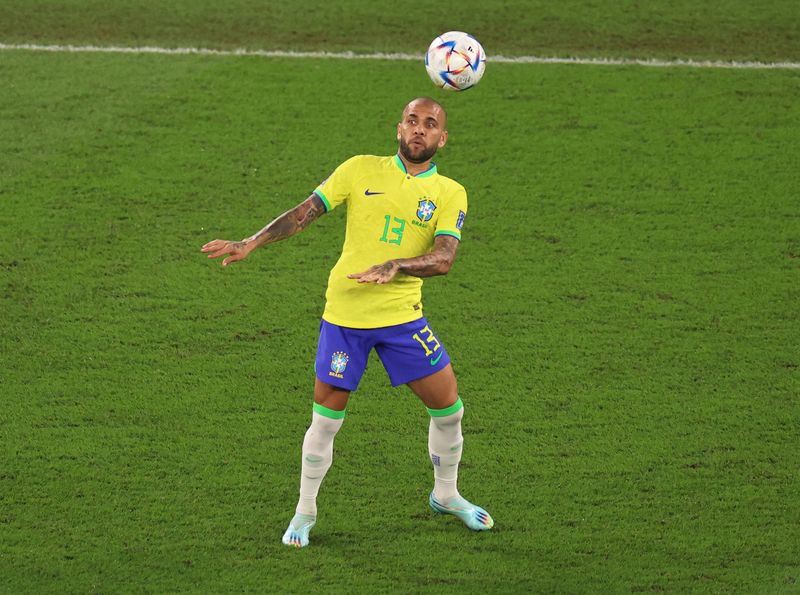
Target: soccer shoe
{"type": "Point", "coordinates": [299, 528]}
{"type": "Point", "coordinates": [474, 517]}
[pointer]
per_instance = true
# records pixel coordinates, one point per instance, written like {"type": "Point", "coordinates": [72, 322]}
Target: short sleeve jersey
{"type": "Point", "coordinates": [390, 214]}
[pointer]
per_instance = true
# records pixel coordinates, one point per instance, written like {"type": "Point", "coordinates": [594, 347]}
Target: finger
{"type": "Point", "coordinates": [216, 247]}
{"type": "Point", "coordinates": [230, 259]}
{"type": "Point", "coordinates": [356, 275]}
{"type": "Point", "coordinates": [212, 245]}
{"type": "Point", "coordinates": [221, 252]}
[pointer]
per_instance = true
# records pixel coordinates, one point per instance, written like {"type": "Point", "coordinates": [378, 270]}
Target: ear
{"type": "Point", "coordinates": [398, 131]}
{"type": "Point", "coordinates": [443, 139]}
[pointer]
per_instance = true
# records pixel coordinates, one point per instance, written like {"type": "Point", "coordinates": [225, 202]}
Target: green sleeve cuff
{"type": "Point", "coordinates": [443, 232]}
{"type": "Point", "coordinates": [325, 201]}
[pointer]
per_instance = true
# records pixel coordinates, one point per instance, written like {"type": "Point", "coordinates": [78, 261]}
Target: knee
{"type": "Point", "coordinates": [327, 425]}
{"type": "Point", "coordinates": [445, 421]}
{"type": "Point", "coordinates": [323, 429]}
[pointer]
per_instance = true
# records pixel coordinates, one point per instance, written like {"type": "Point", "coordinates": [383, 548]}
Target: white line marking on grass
{"type": "Point", "coordinates": [401, 56]}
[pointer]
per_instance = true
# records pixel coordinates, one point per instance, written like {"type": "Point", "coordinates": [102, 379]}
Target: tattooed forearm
{"type": "Point", "coordinates": [308, 210]}
{"type": "Point", "coordinates": [436, 262]}
{"type": "Point", "coordinates": [290, 223]}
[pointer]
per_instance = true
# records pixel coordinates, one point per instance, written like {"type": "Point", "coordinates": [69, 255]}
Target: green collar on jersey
{"type": "Point", "coordinates": [428, 172]}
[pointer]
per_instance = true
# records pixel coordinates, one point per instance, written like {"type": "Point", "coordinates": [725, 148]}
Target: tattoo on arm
{"type": "Point", "coordinates": [436, 262]}
{"type": "Point", "coordinates": [291, 222]}
{"type": "Point", "coordinates": [308, 210]}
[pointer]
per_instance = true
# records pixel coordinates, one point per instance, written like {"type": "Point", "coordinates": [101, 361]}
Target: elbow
{"type": "Point", "coordinates": [444, 265]}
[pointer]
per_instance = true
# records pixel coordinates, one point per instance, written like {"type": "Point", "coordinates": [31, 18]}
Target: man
{"type": "Point", "coordinates": [404, 223]}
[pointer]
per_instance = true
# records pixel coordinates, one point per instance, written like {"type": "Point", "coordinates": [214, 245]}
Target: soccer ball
{"type": "Point", "coordinates": [455, 61]}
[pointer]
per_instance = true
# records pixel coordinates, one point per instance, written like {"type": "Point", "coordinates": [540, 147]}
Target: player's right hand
{"type": "Point", "coordinates": [235, 250]}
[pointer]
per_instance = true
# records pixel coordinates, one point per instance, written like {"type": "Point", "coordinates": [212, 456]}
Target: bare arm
{"type": "Point", "coordinates": [290, 223]}
{"type": "Point", "coordinates": [436, 262]}
{"type": "Point", "coordinates": [284, 226]}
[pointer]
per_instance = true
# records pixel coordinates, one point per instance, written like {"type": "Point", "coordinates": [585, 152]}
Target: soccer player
{"type": "Point", "coordinates": [404, 223]}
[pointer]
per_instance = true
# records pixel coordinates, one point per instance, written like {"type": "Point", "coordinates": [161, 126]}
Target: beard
{"type": "Point", "coordinates": [421, 156]}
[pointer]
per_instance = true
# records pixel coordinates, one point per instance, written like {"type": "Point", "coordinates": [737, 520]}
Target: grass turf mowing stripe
{"type": "Point", "coordinates": [408, 57]}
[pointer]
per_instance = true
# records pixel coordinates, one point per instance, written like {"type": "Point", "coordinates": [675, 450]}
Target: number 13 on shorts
{"type": "Point", "coordinates": [429, 339]}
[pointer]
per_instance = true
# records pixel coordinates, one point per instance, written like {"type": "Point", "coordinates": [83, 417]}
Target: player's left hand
{"type": "Point", "coordinates": [380, 273]}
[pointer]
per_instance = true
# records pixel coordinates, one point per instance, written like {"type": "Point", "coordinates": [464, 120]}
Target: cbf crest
{"type": "Point", "coordinates": [339, 361]}
{"type": "Point", "coordinates": [425, 209]}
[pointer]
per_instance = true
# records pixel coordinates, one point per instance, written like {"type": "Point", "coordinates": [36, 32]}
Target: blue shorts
{"type": "Point", "coordinates": [408, 352]}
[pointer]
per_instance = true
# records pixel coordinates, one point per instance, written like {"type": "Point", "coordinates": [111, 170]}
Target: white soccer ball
{"type": "Point", "coordinates": [455, 61]}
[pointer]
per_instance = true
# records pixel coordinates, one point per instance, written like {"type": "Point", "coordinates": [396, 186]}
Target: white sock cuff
{"type": "Point", "coordinates": [329, 413]}
{"type": "Point", "coordinates": [324, 423]}
{"type": "Point", "coordinates": [455, 408]}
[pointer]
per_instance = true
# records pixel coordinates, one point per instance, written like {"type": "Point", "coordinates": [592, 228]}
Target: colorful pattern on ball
{"type": "Point", "coordinates": [455, 61]}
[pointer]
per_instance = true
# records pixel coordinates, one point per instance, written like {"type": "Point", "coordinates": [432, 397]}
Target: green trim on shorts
{"type": "Point", "coordinates": [329, 413]}
{"type": "Point", "coordinates": [457, 406]}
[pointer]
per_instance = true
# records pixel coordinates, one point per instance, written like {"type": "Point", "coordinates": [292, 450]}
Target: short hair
{"type": "Point", "coordinates": [429, 100]}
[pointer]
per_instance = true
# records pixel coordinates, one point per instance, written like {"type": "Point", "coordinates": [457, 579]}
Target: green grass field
{"type": "Point", "coordinates": [623, 314]}
{"type": "Point", "coordinates": [729, 29]}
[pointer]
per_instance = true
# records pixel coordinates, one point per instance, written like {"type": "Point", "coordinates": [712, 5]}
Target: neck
{"type": "Point", "coordinates": [414, 168]}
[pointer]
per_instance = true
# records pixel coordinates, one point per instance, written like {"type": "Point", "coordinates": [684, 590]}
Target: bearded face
{"type": "Point", "coordinates": [421, 132]}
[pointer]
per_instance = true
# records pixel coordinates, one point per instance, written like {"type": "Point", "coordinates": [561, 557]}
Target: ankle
{"type": "Point", "coordinates": [445, 492]}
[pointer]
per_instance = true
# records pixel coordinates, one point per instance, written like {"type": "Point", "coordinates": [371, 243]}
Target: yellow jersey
{"type": "Point", "coordinates": [390, 214]}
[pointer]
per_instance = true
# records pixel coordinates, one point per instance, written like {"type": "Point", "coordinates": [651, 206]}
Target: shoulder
{"type": "Point", "coordinates": [367, 159]}
{"type": "Point", "coordinates": [450, 187]}
{"type": "Point", "coordinates": [363, 162]}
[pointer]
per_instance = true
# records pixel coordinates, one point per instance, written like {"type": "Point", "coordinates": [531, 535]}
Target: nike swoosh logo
{"type": "Point", "coordinates": [435, 360]}
{"type": "Point", "coordinates": [368, 193]}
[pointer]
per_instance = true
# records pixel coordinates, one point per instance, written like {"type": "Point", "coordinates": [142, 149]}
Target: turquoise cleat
{"type": "Point", "coordinates": [474, 517]}
{"type": "Point", "coordinates": [299, 528]}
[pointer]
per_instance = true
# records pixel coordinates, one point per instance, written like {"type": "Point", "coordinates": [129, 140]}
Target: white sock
{"type": "Point", "coordinates": [317, 458]}
{"type": "Point", "coordinates": [444, 445]}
